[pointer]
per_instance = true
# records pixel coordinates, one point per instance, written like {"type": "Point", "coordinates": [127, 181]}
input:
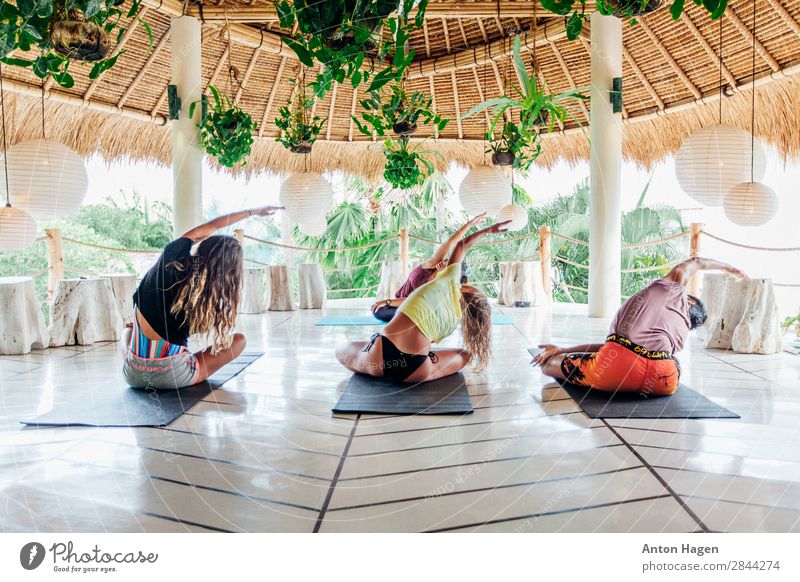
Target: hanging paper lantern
{"type": "Point", "coordinates": [17, 229]}
{"type": "Point", "coordinates": [516, 214]}
{"type": "Point", "coordinates": [316, 229]}
{"type": "Point", "coordinates": [46, 178]}
{"type": "Point", "coordinates": [484, 189]}
{"type": "Point", "coordinates": [714, 159]}
{"type": "Point", "coordinates": [751, 204]}
{"type": "Point", "coordinates": [306, 196]}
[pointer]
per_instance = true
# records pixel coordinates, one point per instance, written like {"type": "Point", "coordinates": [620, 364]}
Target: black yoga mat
{"type": "Point", "coordinates": [121, 405]}
{"type": "Point", "coordinates": [367, 394]}
{"type": "Point", "coordinates": [684, 403]}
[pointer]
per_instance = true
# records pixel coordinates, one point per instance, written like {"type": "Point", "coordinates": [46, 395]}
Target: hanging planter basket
{"type": "Point", "coordinates": [629, 8]}
{"type": "Point", "coordinates": [78, 39]}
{"type": "Point", "coordinates": [543, 119]}
{"type": "Point", "coordinates": [404, 128]}
{"type": "Point", "coordinates": [503, 158]}
{"type": "Point", "coordinates": [303, 147]}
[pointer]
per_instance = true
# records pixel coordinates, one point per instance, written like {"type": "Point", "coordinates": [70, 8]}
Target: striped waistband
{"type": "Point", "coordinates": [637, 349]}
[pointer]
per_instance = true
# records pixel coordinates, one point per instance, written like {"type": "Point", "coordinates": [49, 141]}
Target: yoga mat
{"type": "Point", "coordinates": [365, 320]}
{"type": "Point", "coordinates": [120, 405]}
{"type": "Point", "coordinates": [685, 403]}
{"type": "Point", "coordinates": [368, 394]}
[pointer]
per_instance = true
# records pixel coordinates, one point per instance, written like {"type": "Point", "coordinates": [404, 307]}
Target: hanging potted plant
{"type": "Point", "coordinates": [226, 131]}
{"type": "Point", "coordinates": [299, 128]}
{"type": "Point", "coordinates": [406, 166]}
{"type": "Point", "coordinates": [513, 147]}
{"type": "Point", "coordinates": [633, 8]}
{"type": "Point", "coordinates": [401, 112]}
{"type": "Point", "coordinates": [47, 35]}
{"type": "Point", "coordinates": [344, 37]}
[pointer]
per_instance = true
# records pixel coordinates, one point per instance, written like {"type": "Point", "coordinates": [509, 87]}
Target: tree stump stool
{"type": "Point", "coordinates": [280, 289]}
{"type": "Point", "coordinates": [311, 283]}
{"type": "Point", "coordinates": [391, 279]}
{"type": "Point", "coordinates": [254, 291]}
{"type": "Point", "coordinates": [742, 314]}
{"type": "Point", "coordinates": [123, 286]}
{"type": "Point", "coordinates": [84, 311]}
{"type": "Point", "coordinates": [521, 284]}
{"type": "Point", "coordinates": [22, 326]}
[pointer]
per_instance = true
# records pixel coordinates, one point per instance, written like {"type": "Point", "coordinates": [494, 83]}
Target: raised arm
{"type": "Point", "coordinates": [683, 273]}
{"type": "Point", "coordinates": [447, 247]}
{"type": "Point", "coordinates": [467, 242]}
{"type": "Point", "coordinates": [204, 231]}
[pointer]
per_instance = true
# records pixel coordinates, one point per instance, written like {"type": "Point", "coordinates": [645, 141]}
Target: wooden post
{"type": "Point", "coordinates": [545, 259]}
{"type": "Point", "coordinates": [238, 234]}
{"type": "Point", "coordinates": [55, 259]}
{"type": "Point", "coordinates": [404, 251]}
{"type": "Point", "coordinates": [694, 251]}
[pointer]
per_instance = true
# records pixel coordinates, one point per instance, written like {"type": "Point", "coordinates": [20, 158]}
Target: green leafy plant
{"type": "Point", "coordinates": [344, 37]}
{"type": "Point", "coordinates": [299, 127]}
{"type": "Point", "coordinates": [401, 112]}
{"type": "Point", "coordinates": [226, 131]}
{"type": "Point", "coordinates": [62, 31]}
{"type": "Point", "coordinates": [406, 166]}
{"type": "Point", "coordinates": [536, 106]}
{"type": "Point", "coordinates": [792, 323]}
{"type": "Point", "coordinates": [513, 148]}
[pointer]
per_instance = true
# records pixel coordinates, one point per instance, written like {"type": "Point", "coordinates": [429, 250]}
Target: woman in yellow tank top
{"type": "Point", "coordinates": [402, 351]}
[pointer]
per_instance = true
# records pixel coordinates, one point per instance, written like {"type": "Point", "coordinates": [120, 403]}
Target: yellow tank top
{"type": "Point", "coordinates": [434, 307]}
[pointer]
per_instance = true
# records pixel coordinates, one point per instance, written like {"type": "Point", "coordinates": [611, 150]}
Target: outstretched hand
{"type": "Point", "coordinates": [735, 272]}
{"type": "Point", "coordinates": [265, 210]}
{"type": "Point", "coordinates": [477, 218]}
{"type": "Point", "coordinates": [499, 227]}
{"type": "Point", "coordinates": [548, 351]}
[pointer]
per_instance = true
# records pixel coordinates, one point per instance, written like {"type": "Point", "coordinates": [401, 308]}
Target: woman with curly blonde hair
{"type": "Point", "coordinates": [193, 289]}
{"type": "Point", "coordinates": [402, 351]}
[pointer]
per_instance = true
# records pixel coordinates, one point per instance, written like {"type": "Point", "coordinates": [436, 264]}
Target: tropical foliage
{"type": "Point", "coordinates": [226, 131]}
{"type": "Point", "coordinates": [299, 126]}
{"type": "Point", "coordinates": [406, 165]}
{"type": "Point", "coordinates": [50, 34]}
{"type": "Point", "coordinates": [512, 147]}
{"type": "Point", "coordinates": [400, 112]}
{"type": "Point", "coordinates": [343, 36]}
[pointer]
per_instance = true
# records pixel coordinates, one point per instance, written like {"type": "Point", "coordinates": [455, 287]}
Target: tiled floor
{"type": "Point", "coordinates": [264, 452]}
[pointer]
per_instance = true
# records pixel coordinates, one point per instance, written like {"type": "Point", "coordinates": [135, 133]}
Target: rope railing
{"type": "Point", "coordinates": [570, 239]}
{"type": "Point", "coordinates": [651, 243]}
{"type": "Point", "coordinates": [321, 250]}
{"type": "Point", "coordinates": [751, 247]}
{"type": "Point", "coordinates": [108, 248]}
{"type": "Point", "coordinates": [568, 262]}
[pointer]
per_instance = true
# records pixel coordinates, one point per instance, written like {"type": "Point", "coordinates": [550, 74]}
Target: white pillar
{"type": "Point", "coordinates": [605, 165]}
{"type": "Point", "coordinates": [187, 158]}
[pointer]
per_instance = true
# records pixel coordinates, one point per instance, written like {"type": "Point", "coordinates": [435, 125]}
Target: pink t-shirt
{"type": "Point", "coordinates": [657, 317]}
{"type": "Point", "coordinates": [418, 276]}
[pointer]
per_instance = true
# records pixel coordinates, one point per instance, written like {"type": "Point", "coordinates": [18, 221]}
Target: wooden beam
{"type": "Point", "coordinates": [120, 45]}
{"type": "Point", "coordinates": [427, 39]}
{"type": "Point", "coordinates": [352, 113]}
{"type": "Point", "coordinates": [707, 47]}
{"type": "Point", "coordinates": [272, 92]}
{"type": "Point", "coordinates": [433, 103]}
{"type": "Point", "coordinates": [446, 37]}
{"type": "Point", "coordinates": [140, 75]}
{"type": "Point", "coordinates": [483, 31]}
{"type": "Point", "coordinates": [568, 76]}
{"type": "Point", "coordinates": [249, 71]}
{"type": "Point", "coordinates": [458, 107]}
{"type": "Point", "coordinates": [479, 85]}
{"type": "Point", "coordinates": [643, 79]}
{"type": "Point", "coordinates": [748, 35]}
{"type": "Point", "coordinates": [463, 33]}
{"type": "Point", "coordinates": [330, 110]}
{"type": "Point", "coordinates": [670, 60]}
{"type": "Point", "coordinates": [784, 14]}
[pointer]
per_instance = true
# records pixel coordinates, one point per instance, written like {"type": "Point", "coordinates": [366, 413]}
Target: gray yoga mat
{"type": "Point", "coordinates": [121, 405]}
{"type": "Point", "coordinates": [685, 403]}
{"type": "Point", "coordinates": [367, 394]}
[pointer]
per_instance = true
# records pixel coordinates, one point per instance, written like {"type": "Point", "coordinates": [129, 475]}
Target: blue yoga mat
{"type": "Point", "coordinates": [366, 320]}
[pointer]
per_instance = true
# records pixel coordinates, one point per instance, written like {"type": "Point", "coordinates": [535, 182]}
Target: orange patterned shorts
{"type": "Point", "coordinates": [625, 366]}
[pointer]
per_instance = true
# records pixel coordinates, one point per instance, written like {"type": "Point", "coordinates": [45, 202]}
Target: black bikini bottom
{"type": "Point", "coordinates": [398, 365]}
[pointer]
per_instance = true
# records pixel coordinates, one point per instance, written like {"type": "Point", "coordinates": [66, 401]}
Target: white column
{"type": "Point", "coordinates": [605, 165]}
{"type": "Point", "coordinates": [187, 158]}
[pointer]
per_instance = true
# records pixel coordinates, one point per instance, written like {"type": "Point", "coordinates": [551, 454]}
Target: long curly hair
{"type": "Point", "coordinates": [209, 296]}
{"type": "Point", "coordinates": [476, 326]}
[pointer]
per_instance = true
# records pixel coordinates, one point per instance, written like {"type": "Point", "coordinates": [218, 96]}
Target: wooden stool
{"type": "Point", "coordinates": [254, 291]}
{"type": "Point", "coordinates": [742, 314]}
{"type": "Point", "coordinates": [312, 286]}
{"type": "Point", "coordinates": [521, 284]}
{"type": "Point", "coordinates": [84, 311]}
{"type": "Point", "coordinates": [123, 285]}
{"type": "Point", "coordinates": [22, 326]}
{"type": "Point", "coordinates": [280, 289]}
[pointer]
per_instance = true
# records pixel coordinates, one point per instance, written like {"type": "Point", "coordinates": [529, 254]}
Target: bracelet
{"type": "Point", "coordinates": [388, 303]}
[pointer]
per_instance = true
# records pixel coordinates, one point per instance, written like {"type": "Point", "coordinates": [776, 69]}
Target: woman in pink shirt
{"type": "Point", "coordinates": [423, 273]}
{"type": "Point", "coordinates": [649, 328]}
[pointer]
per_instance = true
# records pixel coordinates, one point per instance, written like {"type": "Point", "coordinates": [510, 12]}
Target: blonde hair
{"type": "Point", "coordinates": [209, 296]}
{"type": "Point", "coordinates": [476, 326]}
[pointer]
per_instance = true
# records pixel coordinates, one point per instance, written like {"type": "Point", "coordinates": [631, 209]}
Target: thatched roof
{"type": "Point", "coordinates": [671, 82]}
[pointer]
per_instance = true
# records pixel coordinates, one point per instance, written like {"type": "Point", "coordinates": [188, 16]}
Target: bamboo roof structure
{"type": "Point", "coordinates": [671, 71]}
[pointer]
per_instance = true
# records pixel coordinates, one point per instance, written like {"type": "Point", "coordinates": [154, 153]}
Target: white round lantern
{"type": "Point", "coordinates": [751, 204]}
{"type": "Point", "coordinates": [46, 178]}
{"type": "Point", "coordinates": [316, 229]}
{"type": "Point", "coordinates": [17, 229]}
{"type": "Point", "coordinates": [484, 189]}
{"type": "Point", "coordinates": [714, 159]}
{"type": "Point", "coordinates": [516, 214]}
{"type": "Point", "coordinates": [306, 196]}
